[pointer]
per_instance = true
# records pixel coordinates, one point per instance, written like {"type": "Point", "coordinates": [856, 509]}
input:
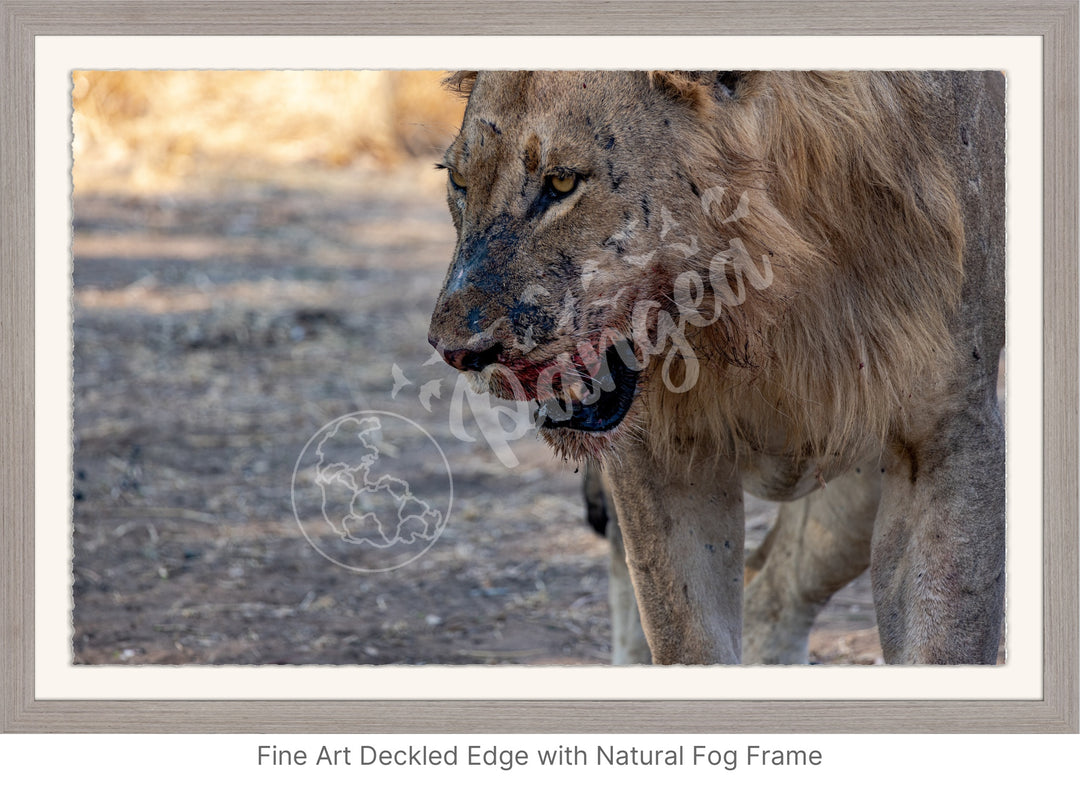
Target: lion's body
{"type": "Point", "coordinates": [809, 269]}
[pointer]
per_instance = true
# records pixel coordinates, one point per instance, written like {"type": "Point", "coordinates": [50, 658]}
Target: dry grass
{"type": "Point", "coordinates": [155, 130]}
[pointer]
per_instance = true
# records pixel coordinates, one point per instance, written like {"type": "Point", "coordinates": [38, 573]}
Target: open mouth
{"type": "Point", "coordinates": [595, 402]}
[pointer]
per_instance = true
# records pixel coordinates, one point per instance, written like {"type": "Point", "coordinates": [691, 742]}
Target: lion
{"type": "Point", "coordinates": [779, 610]}
{"type": "Point", "coordinates": [789, 283]}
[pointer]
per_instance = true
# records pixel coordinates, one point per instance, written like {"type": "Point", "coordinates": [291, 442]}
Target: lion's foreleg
{"type": "Point", "coordinates": [818, 545]}
{"type": "Point", "coordinates": [683, 535]}
{"type": "Point", "coordinates": [628, 643]}
{"type": "Point", "coordinates": [939, 545]}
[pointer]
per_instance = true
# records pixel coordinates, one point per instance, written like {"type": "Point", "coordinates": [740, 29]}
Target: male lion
{"type": "Point", "coordinates": [788, 282]}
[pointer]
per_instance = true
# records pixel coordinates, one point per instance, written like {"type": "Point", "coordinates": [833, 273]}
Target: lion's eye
{"type": "Point", "coordinates": [456, 179]}
{"type": "Point", "coordinates": [563, 184]}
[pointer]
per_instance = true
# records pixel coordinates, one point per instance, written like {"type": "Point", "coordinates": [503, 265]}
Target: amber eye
{"type": "Point", "coordinates": [456, 179]}
{"type": "Point", "coordinates": [563, 184]}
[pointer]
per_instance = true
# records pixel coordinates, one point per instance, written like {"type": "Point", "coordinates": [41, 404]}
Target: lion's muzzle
{"type": "Point", "coordinates": [592, 400]}
{"type": "Point", "coordinates": [472, 358]}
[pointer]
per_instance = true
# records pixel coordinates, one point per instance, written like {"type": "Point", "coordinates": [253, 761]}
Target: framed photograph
{"type": "Point", "coordinates": [245, 488]}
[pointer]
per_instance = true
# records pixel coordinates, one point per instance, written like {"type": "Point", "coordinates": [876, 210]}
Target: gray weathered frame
{"type": "Point", "coordinates": [1054, 20]}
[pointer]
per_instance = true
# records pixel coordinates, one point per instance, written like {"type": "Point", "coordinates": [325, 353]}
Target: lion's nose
{"type": "Point", "coordinates": [470, 359]}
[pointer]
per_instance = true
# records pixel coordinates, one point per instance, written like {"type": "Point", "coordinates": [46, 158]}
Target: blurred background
{"type": "Point", "coordinates": [155, 131]}
{"type": "Point", "coordinates": [255, 255]}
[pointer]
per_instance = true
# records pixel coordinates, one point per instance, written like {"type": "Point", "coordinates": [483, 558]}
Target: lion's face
{"type": "Point", "coordinates": [554, 188]}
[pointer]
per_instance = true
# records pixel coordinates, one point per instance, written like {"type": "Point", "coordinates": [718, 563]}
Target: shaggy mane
{"type": "Point", "coordinates": [865, 236]}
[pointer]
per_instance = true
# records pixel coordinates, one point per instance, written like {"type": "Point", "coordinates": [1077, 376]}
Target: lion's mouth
{"type": "Point", "coordinates": [597, 406]}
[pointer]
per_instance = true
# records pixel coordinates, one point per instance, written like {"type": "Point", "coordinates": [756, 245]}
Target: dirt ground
{"type": "Point", "coordinates": [216, 331]}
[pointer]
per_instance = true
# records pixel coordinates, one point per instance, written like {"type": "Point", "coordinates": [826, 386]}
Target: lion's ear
{"type": "Point", "coordinates": [696, 87]}
{"type": "Point", "coordinates": [685, 86]}
{"type": "Point", "coordinates": [461, 83]}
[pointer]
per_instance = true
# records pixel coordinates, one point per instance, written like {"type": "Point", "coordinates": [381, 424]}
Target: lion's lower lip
{"type": "Point", "coordinates": [604, 407]}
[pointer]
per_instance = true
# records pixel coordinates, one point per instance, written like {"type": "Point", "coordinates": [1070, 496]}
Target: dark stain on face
{"type": "Point", "coordinates": [475, 320]}
{"type": "Point", "coordinates": [615, 179]}
{"type": "Point", "coordinates": [478, 262]}
{"type": "Point", "coordinates": [682, 176]}
{"type": "Point", "coordinates": [526, 316]}
{"type": "Point", "coordinates": [618, 244]}
{"type": "Point", "coordinates": [568, 269]}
